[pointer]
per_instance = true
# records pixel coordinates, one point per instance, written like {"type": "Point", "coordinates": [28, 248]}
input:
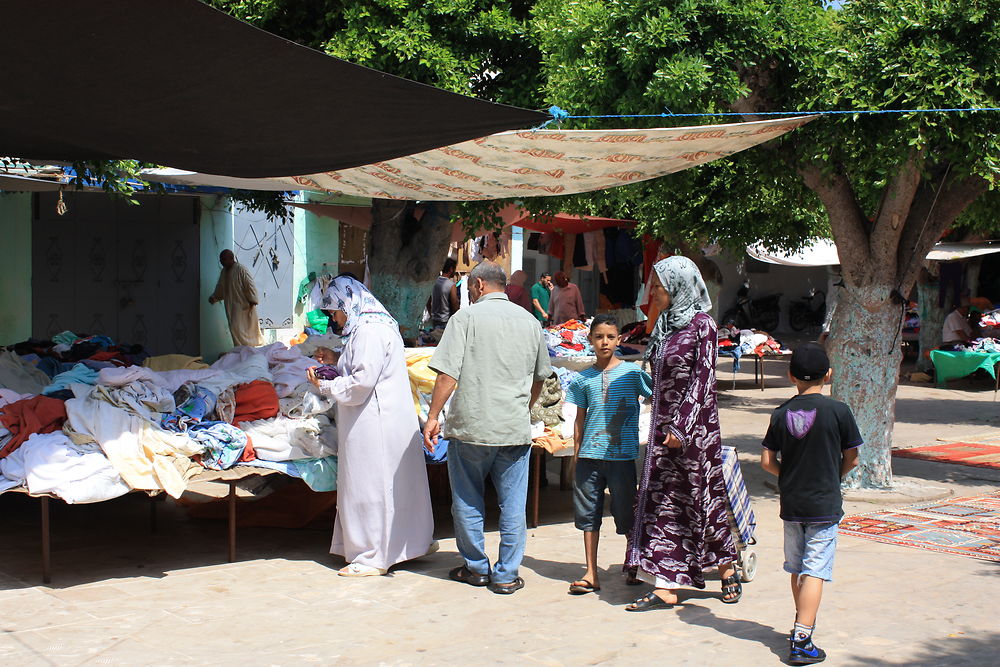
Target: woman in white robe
{"type": "Point", "coordinates": [383, 500]}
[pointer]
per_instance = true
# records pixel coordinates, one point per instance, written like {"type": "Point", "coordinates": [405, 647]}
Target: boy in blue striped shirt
{"type": "Point", "coordinates": [607, 442]}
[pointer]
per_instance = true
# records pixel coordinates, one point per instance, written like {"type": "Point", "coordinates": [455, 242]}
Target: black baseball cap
{"type": "Point", "coordinates": [809, 362]}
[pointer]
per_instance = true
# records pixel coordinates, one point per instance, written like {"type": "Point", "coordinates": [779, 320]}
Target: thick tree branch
{"type": "Point", "coordinates": [847, 221]}
{"type": "Point", "coordinates": [895, 209]}
{"type": "Point", "coordinates": [929, 219]}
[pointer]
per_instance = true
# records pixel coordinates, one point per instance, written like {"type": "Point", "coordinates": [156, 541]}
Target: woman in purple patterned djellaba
{"type": "Point", "coordinates": [681, 527]}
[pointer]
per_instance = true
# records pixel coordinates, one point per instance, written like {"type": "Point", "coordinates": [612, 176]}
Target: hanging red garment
{"type": "Point", "coordinates": [39, 414]}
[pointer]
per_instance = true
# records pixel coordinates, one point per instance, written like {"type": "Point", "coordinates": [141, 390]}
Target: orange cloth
{"type": "Point", "coordinates": [551, 441]}
{"type": "Point", "coordinates": [23, 419]}
{"type": "Point", "coordinates": [255, 400]}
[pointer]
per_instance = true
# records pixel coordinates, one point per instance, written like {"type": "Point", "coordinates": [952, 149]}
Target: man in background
{"type": "Point", "coordinates": [236, 288]}
{"type": "Point", "coordinates": [540, 293]}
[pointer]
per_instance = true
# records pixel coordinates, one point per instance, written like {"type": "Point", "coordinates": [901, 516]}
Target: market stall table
{"type": "Point", "coordinates": [758, 364]}
{"type": "Point", "coordinates": [951, 365]}
{"type": "Point", "coordinates": [232, 477]}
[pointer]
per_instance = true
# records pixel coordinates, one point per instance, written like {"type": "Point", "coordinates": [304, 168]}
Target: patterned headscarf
{"type": "Point", "coordinates": [360, 305]}
{"type": "Point", "coordinates": [688, 297]}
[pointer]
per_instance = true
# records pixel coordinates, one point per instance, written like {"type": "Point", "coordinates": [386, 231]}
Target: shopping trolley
{"type": "Point", "coordinates": [742, 521]}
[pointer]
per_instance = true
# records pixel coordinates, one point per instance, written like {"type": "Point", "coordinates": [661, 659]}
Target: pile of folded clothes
{"type": "Point", "coordinates": [96, 429]}
{"type": "Point", "coordinates": [569, 339]}
{"type": "Point", "coordinates": [738, 343]}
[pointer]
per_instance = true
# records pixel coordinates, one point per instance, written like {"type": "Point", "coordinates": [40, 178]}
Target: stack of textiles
{"type": "Point", "coordinates": [738, 343]}
{"type": "Point", "coordinates": [988, 345]}
{"type": "Point", "coordinates": [102, 431]}
{"type": "Point", "coordinates": [990, 320]}
{"type": "Point", "coordinates": [569, 339]}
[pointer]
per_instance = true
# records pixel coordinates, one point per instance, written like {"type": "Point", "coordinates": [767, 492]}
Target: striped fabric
{"type": "Point", "coordinates": [740, 510]}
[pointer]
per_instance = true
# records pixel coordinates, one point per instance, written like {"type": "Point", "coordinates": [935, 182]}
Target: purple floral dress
{"type": "Point", "coordinates": [681, 527]}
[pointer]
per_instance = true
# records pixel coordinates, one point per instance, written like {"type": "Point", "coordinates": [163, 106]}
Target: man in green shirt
{"type": "Point", "coordinates": [540, 293]}
{"type": "Point", "coordinates": [494, 358]}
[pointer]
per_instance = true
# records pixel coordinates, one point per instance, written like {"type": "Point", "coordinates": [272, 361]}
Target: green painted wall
{"type": "Point", "coordinates": [216, 225]}
{"type": "Point", "coordinates": [15, 288]}
{"type": "Point", "coordinates": [317, 242]}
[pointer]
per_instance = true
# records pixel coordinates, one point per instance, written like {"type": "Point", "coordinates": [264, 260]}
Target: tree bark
{"type": "Point", "coordinates": [406, 247]}
{"type": "Point", "coordinates": [931, 316]}
{"type": "Point", "coordinates": [865, 354]}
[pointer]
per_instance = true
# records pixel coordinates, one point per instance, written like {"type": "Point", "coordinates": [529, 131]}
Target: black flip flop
{"type": "Point", "coordinates": [586, 587]}
{"type": "Point", "coordinates": [632, 579]}
{"type": "Point", "coordinates": [649, 601]}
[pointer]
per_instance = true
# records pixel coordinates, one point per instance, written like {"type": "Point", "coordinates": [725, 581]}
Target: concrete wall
{"type": "Point", "coordinates": [15, 287]}
{"type": "Point", "coordinates": [793, 282]}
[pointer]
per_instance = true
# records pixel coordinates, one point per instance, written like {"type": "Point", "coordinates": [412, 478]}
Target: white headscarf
{"type": "Point", "coordinates": [688, 297]}
{"type": "Point", "coordinates": [360, 305]}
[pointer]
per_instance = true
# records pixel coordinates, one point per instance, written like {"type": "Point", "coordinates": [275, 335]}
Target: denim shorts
{"type": "Point", "coordinates": [809, 548]}
{"type": "Point", "coordinates": [593, 476]}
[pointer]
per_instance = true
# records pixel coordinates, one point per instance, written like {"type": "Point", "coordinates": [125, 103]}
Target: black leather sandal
{"type": "Point", "coordinates": [463, 575]}
{"type": "Point", "coordinates": [731, 586]}
{"type": "Point", "coordinates": [649, 601]}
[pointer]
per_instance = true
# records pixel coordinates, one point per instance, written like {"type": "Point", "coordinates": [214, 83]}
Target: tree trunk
{"type": "Point", "coordinates": [931, 317]}
{"type": "Point", "coordinates": [865, 353]}
{"type": "Point", "coordinates": [405, 254]}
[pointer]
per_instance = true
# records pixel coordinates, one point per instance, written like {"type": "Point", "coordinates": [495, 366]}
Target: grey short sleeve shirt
{"type": "Point", "coordinates": [495, 350]}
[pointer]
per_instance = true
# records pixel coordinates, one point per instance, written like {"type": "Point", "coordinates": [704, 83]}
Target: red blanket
{"type": "Point", "coordinates": [256, 400]}
{"type": "Point", "coordinates": [24, 418]}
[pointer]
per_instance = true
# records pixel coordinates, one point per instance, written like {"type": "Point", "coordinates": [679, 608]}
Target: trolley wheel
{"type": "Point", "coordinates": [748, 565]}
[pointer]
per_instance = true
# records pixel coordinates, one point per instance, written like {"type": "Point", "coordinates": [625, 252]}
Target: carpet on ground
{"type": "Point", "coordinates": [978, 454]}
{"type": "Point", "coordinates": [963, 526]}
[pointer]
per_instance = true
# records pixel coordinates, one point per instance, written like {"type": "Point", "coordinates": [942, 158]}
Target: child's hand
{"type": "Point", "coordinates": [672, 441]}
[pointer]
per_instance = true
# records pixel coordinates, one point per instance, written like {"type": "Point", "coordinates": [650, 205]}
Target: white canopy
{"type": "Point", "coordinates": [823, 252]}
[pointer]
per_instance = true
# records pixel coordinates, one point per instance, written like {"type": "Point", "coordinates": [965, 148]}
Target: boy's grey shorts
{"type": "Point", "coordinates": [593, 476]}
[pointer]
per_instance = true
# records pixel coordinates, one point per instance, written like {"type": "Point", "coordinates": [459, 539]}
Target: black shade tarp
{"type": "Point", "coordinates": [181, 84]}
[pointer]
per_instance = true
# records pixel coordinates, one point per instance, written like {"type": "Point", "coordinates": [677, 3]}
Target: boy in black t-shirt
{"type": "Point", "coordinates": [811, 444]}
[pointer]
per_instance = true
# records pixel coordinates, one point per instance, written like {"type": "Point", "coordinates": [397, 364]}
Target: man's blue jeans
{"type": "Point", "coordinates": [468, 467]}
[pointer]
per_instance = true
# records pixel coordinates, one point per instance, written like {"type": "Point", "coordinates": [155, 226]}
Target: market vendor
{"type": "Point", "coordinates": [956, 329]}
{"type": "Point", "coordinates": [567, 302]}
{"type": "Point", "coordinates": [383, 500]}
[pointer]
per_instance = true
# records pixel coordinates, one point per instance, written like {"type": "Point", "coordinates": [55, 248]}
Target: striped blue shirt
{"type": "Point", "coordinates": [611, 399]}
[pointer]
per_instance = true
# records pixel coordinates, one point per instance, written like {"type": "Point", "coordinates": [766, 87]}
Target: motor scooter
{"type": "Point", "coordinates": [762, 313]}
{"type": "Point", "coordinates": [808, 311]}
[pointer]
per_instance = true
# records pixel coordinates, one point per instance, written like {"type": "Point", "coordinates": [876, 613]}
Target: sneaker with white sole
{"type": "Point", "coordinates": [804, 652]}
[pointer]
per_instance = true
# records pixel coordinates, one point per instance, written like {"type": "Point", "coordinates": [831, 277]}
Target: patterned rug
{"type": "Point", "coordinates": [964, 526]}
{"type": "Point", "coordinates": [978, 454]}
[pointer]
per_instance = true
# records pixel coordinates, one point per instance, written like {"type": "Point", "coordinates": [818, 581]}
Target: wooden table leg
{"type": "Point", "coordinates": [534, 483]}
{"type": "Point", "coordinates": [152, 514]}
{"type": "Point", "coordinates": [565, 467]}
{"type": "Point", "coordinates": [232, 522]}
{"type": "Point", "coordinates": [46, 543]}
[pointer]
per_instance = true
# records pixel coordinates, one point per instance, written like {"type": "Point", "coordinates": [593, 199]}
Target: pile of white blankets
{"type": "Point", "coordinates": [137, 428]}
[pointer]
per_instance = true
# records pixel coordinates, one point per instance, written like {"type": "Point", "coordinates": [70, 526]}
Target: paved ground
{"type": "Point", "coordinates": [123, 596]}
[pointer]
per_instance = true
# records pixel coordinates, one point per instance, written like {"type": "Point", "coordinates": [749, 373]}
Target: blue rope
{"type": "Point", "coordinates": [559, 115]}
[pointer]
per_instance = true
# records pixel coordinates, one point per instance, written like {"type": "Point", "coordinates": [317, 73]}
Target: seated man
{"type": "Point", "coordinates": [956, 329]}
